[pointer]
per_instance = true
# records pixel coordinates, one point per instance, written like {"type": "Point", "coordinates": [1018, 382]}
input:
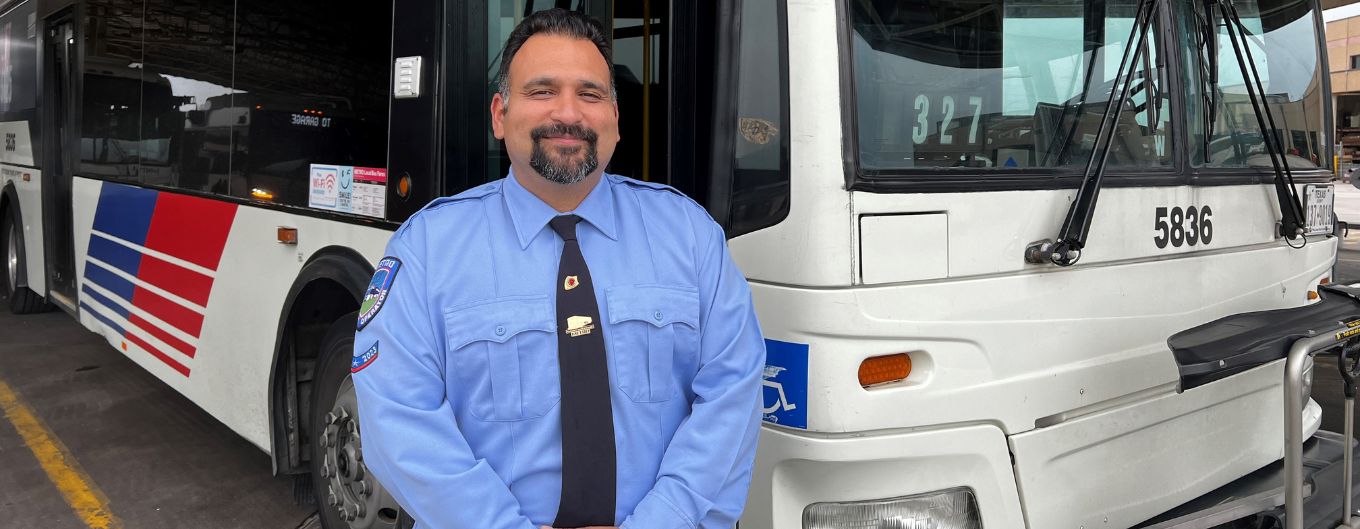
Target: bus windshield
{"type": "Point", "coordinates": [1015, 85]}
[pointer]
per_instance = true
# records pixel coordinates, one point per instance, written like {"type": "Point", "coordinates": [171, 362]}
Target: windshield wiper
{"type": "Point", "coordinates": [1066, 251]}
{"type": "Point", "coordinates": [1292, 224]}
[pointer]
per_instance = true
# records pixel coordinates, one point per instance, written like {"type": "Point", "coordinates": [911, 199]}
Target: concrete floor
{"type": "Point", "coordinates": [160, 460]}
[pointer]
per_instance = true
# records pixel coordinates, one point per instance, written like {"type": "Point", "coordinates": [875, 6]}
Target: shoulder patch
{"type": "Point", "coordinates": [376, 293]}
{"type": "Point", "coordinates": [362, 360]}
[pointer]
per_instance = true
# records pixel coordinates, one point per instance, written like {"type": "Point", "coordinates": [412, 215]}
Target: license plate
{"type": "Point", "coordinates": [1318, 208]}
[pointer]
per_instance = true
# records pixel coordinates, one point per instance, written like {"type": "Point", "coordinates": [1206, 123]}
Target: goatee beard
{"type": "Point", "coordinates": [565, 171]}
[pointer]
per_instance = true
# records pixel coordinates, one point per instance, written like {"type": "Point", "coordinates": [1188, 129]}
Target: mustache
{"type": "Point", "coordinates": [562, 130]}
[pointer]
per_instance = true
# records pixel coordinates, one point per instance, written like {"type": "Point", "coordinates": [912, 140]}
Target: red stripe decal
{"type": "Point", "coordinates": [176, 279]}
{"type": "Point", "coordinates": [168, 311]}
{"type": "Point", "coordinates": [191, 228]}
{"type": "Point", "coordinates": [162, 356]}
{"type": "Point", "coordinates": [169, 339]}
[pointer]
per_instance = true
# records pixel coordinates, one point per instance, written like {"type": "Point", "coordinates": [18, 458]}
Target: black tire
{"type": "Point", "coordinates": [21, 300]}
{"type": "Point", "coordinates": [348, 496]}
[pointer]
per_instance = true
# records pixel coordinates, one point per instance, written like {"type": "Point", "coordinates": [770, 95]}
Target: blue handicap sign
{"type": "Point", "coordinates": [785, 383]}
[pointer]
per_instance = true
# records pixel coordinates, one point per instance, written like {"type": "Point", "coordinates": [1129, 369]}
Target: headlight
{"type": "Point", "coordinates": [946, 509]}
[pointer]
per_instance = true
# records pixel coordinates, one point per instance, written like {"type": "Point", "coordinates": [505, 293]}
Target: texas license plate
{"type": "Point", "coordinates": [1318, 201]}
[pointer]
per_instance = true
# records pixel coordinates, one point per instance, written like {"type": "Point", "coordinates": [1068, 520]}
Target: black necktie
{"type": "Point", "coordinates": [588, 466]}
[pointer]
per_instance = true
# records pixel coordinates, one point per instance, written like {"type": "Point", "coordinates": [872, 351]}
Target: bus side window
{"type": "Point", "coordinates": [760, 151]}
{"type": "Point", "coordinates": [111, 107]}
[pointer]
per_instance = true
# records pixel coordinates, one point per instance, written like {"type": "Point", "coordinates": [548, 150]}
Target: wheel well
{"type": "Point", "coordinates": [328, 287]}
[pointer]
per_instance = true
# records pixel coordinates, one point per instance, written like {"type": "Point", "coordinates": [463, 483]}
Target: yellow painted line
{"type": "Point", "coordinates": [88, 502]}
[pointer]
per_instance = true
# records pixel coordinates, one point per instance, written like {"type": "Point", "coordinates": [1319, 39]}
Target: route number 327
{"type": "Point", "coordinates": [1190, 226]}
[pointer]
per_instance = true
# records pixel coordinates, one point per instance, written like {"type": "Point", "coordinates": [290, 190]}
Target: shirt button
{"type": "Point", "coordinates": [657, 315]}
{"type": "Point", "coordinates": [500, 331]}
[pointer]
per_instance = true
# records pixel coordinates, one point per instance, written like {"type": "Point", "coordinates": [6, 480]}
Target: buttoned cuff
{"type": "Point", "coordinates": [670, 505]}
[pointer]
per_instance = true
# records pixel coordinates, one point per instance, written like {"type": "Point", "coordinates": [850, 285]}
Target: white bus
{"type": "Point", "coordinates": [959, 333]}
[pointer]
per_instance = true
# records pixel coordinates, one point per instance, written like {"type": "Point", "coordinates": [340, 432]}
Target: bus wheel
{"type": "Point", "coordinates": [21, 299]}
{"type": "Point", "coordinates": [348, 495]}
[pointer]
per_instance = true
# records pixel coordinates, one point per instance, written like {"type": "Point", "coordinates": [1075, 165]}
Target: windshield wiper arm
{"type": "Point", "coordinates": [1066, 251]}
{"type": "Point", "coordinates": [1292, 224]}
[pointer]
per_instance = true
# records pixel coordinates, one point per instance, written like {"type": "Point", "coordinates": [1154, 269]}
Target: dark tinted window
{"type": "Point", "coordinates": [250, 99]}
{"type": "Point", "coordinates": [186, 72]}
{"type": "Point", "coordinates": [760, 176]}
{"type": "Point", "coordinates": [18, 60]}
{"type": "Point", "coordinates": [311, 96]}
{"type": "Point", "coordinates": [112, 87]}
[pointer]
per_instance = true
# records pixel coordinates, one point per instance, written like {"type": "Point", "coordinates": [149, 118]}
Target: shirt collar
{"type": "Point", "coordinates": [530, 214]}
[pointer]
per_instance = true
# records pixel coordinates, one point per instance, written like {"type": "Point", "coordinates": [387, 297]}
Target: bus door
{"type": "Point", "coordinates": [58, 132]}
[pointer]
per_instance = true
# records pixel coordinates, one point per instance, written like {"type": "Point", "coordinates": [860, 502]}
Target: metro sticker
{"type": "Point", "coordinates": [376, 293]}
{"type": "Point", "coordinates": [785, 384]}
{"type": "Point", "coordinates": [362, 360]}
{"type": "Point", "coordinates": [324, 188]}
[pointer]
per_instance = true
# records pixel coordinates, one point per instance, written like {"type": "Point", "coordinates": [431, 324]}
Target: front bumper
{"type": "Point", "coordinates": [795, 468]}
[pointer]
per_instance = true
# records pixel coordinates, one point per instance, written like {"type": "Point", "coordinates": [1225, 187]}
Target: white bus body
{"type": "Point", "coordinates": [1047, 393]}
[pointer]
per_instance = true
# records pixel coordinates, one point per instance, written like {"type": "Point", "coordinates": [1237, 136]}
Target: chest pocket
{"type": "Point", "coordinates": [649, 326]}
{"type": "Point", "coordinates": [505, 357]}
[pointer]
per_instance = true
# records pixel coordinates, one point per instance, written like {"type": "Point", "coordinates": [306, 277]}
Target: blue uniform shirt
{"type": "Point", "coordinates": [456, 359]}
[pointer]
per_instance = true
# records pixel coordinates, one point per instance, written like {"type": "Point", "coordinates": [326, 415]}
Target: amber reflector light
{"type": "Point", "coordinates": [882, 369]}
{"type": "Point", "coordinates": [287, 235]}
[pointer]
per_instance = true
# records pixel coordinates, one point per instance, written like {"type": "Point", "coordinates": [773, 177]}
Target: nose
{"type": "Point", "coordinates": [567, 109]}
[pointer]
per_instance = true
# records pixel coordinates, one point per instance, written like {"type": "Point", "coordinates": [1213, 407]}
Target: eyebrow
{"type": "Point", "coordinates": [552, 82]}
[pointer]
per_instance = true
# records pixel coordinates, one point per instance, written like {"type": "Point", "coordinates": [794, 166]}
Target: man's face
{"type": "Point", "coordinates": [560, 119]}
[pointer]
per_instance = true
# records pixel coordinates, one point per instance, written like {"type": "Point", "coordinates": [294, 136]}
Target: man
{"type": "Point", "coordinates": [563, 347]}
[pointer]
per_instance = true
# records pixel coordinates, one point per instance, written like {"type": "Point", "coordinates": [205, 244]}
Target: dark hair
{"type": "Point", "coordinates": [561, 22]}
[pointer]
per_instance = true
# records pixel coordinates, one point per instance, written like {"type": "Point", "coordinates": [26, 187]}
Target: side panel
{"type": "Point", "coordinates": [191, 288]}
{"type": "Point", "coordinates": [28, 186]}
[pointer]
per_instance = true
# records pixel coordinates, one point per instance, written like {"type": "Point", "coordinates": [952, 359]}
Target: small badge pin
{"type": "Point", "coordinates": [579, 325]}
{"type": "Point", "coordinates": [570, 282]}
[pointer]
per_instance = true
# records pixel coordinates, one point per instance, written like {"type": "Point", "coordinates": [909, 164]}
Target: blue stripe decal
{"type": "Point", "coordinates": [121, 257]}
{"type": "Point", "coordinates": [112, 283]}
{"type": "Point", "coordinates": [125, 211]}
{"type": "Point", "coordinates": [90, 310]}
{"type": "Point", "coordinates": [110, 304]}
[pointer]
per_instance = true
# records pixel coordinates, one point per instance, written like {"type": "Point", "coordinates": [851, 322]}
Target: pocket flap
{"type": "Point", "coordinates": [659, 305]}
{"type": "Point", "coordinates": [497, 320]}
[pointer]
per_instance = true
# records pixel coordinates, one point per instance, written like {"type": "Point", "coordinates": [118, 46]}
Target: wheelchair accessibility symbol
{"type": "Point", "coordinates": [782, 403]}
{"type": "Point", "coordinates": [784, 384]}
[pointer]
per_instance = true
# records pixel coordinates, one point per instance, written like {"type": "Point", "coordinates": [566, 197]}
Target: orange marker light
{"type": "Point", "coordinates": [1325, 281]}
{"type": "Point", "coordinates": [883, 369]}
{"type": "Point", "coordinates": [1312, 295]}
{"type": "Point", "coordinates": [288, 235]}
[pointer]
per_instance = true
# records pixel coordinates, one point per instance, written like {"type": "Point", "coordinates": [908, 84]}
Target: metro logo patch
{"type": "Point", "coordinates": [362, 360]}
{"type": "Point", "coordinates": [784, 385]}
{"type": "Point", "coordinates": [376, 293]}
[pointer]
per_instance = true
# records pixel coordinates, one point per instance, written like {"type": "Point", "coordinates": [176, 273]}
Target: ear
{"type": "Point", "coordinates": [498, 116]}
